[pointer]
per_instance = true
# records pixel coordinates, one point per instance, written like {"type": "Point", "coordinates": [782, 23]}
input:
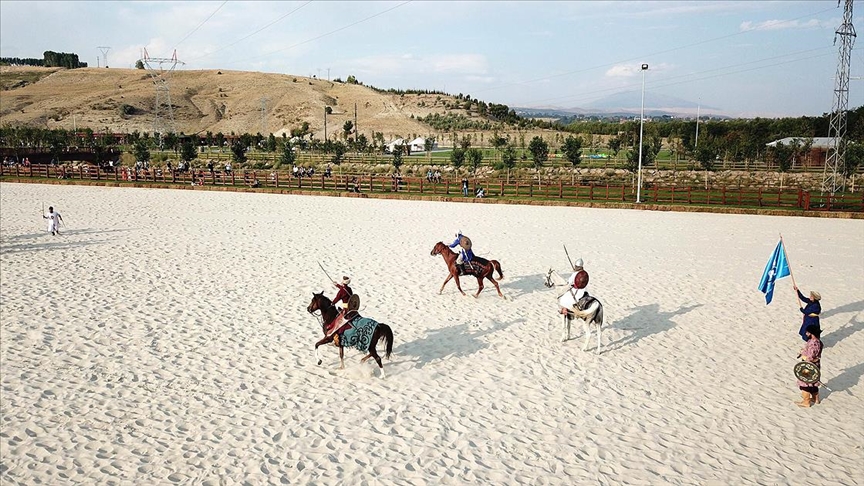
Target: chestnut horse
{"type": "Point", "coordinates": [486, 269]}
{"type": "Point", "coordinates": [329, 312]}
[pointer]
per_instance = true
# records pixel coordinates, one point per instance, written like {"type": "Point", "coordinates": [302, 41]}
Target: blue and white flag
{"type": "Point", "coordinates": [777, 267]}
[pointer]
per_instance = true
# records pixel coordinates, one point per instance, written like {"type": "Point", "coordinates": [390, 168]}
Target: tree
{"type": "Point", "coordinates": [238, 152]}
{"type": "Point", "coordinates": [139, 64]}
{"type": "Point", "coordinates": [457, 157]}
{"type": "Point", "coordinates": [338, 149]}
{"type": "Point", "coordinates": [508, 159]}
{"type": "Point", "coordinates": [397, 156]}
{"type": "Point", "coordinates": [347, 128]}
{"type": "Point", "coordinates": [287, 157]}
{"type": "Point", "coordinates": [539, 152]}
{"type": "Point", "coordinates": [706, 155]}
{"type": "Point", "coordinates": [271, 143]}
{"type": "Point", "coordinates": [572, 149]}
{"type": "Point", "coordinates": [854, 158]}
{"type": "Point", "coordinates": [475, 157]}
{"type": "Point", "coordinates": [141, 152]}
{"type": "Point", "coordinates": [170, 141]}
{"type": "Point", "coordinates": [188, 151]}
{"type": "Point", "coordinates": [428, 145]}
{"type": "Point", "coordinates": [782, 155]}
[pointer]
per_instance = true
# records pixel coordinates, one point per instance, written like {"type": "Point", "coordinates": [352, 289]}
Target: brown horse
{"type": "Point", "coordinates": [329, 313]}
{"type": "Point", "coordinates": [485, 271]}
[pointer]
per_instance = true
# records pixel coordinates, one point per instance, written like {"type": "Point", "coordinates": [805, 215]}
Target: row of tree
{"type": "Point", "coordinates": [49, 59]}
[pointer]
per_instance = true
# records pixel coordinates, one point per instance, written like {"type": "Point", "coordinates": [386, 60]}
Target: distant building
{"type": "Point", "coordinates": [818, 150]}
{"type": "Point", "coordinates": [392, 145]}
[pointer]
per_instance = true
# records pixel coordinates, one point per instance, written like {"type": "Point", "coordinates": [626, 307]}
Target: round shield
{"type": "Point", "coordinates": [807, 372]}
{"type": "Point", "coordinates": [581, 280]}
{"type": "Point", "coordinates": [465, 242]}
{"type": "Point", "coordinates": [354, 302]}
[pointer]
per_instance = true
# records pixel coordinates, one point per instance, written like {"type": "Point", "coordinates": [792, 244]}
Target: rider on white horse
{"type": "Point", "coordinates": [578, 283]}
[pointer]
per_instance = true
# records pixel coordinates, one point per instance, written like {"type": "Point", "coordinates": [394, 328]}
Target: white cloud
{"type": "Point", "coordinates": [464, 64]}
{"type": "Point", "coordinates": [782, 25]}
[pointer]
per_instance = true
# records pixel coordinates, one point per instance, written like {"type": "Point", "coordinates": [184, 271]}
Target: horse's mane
{"type": "Point", "coordinates": [443, 246]}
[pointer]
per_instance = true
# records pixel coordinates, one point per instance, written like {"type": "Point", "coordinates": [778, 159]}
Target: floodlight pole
{"type": "Point", "coordinates": [641, 124]}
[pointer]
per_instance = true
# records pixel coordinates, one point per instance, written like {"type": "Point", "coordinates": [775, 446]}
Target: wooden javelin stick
{"type": "Point", "coordinates": [568, 256]}
{"type": "Point", "coordinates": [325, 272]}
{"type": "Point", "coordinates": [790, 270]}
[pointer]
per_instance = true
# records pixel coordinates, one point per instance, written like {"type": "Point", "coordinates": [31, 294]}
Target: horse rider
{"type": "Point", "coordinates": [348, 310]}
{"type": "Point", "coordinates": [576, 281]}
{"type": "Point", "coordinates": [344, 293]}
{"type": "Point", "coordinates": [465, 252]}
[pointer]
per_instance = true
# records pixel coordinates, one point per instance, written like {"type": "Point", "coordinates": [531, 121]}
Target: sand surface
{"type": "Point", "coordinates": [163, 338]}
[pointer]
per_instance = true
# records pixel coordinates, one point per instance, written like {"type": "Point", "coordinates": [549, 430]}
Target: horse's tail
{"type": "Point", "coordinates": [388, 340]}
{"type": "Point", "coordinates": [598, 316]}
{"type": "Point", "coordinates": [498, 268]}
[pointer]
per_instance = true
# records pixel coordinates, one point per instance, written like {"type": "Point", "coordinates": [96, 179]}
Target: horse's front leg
{"type": "Point", "coordinates": [458, 285]}
{"type": "Point", "coordinates": [445, 283]}
{"type": "Point", "coordinates": [567, 321]}
{"type": "Point", "coordinates": [479, 287]}
{"type": "Point", "coordinates": [326, 340]}
{"type": "Point", "coordinates": [341, 358]}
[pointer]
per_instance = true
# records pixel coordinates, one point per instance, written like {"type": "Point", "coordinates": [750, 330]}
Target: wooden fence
{"type": "Point", "coordinates": [549, 189]}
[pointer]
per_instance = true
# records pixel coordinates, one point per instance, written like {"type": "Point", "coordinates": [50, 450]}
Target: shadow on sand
{"type": "Point", "coordinates": [450, 342]}
{"type": "Point", "coordinates": [834, 337]}
{"type": "Point", "coordinates": [646, 321]}
{"type": "Point", "coordinates": [46, 241]}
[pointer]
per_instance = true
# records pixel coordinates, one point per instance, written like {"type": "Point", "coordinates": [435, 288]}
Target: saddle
{"type": "Point", "coordinates": [469, 268]}
{"type": "Point", "coordinates": [343, 321]}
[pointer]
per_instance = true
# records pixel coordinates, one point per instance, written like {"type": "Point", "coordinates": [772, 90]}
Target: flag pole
{"type": "Point", "coordinates": [786, 255]}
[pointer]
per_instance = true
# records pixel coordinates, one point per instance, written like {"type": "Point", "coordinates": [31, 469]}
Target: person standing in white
{"type": "Point", "coordinates": [54, 220]}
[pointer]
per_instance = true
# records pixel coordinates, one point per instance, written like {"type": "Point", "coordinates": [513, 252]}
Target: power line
{"type": "Point", "coordinates": [253, 33]}
{"type": "Point", "coordinates": [633, 59]}
{"type": "Point", "coordinates": [322, 35]}
{"type": "Point", "coordinates": [199, 25]}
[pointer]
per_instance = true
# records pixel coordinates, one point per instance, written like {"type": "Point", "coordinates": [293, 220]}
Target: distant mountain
{"type": "Point", "coordinates": [627, 104]}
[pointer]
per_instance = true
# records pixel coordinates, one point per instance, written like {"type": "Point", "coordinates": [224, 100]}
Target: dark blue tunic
{"type": "Point", "coordinates": [811, 313]}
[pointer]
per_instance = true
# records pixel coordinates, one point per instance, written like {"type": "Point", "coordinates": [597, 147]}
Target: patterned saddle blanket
{"type": "Point", "coordinates": [360, 334]}
{"type": "Point", "coordinates": [470, 268]}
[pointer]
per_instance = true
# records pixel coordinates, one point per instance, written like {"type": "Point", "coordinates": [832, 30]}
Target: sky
{"type": "Point", "coordinates": [738, 58]}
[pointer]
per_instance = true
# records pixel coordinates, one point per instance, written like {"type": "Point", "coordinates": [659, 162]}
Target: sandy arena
{"type": "Point", "coordinates": [163, 338]}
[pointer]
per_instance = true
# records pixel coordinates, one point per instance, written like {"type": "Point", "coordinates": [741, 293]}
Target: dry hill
{"type": "Point", "coordinates": [123, 100]}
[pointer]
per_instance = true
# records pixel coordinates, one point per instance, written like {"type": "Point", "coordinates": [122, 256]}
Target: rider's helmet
{"type": "Point", "coordinates": [578, 265]}
{"type": "Point", "coordinates": [458, 233]}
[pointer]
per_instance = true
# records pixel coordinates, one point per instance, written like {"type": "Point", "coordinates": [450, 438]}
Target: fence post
{"type": "Point", "coordinates": [807, 201]}
{"type": "Point", "coordinates": [760, 196]}
{"type": "Point", "coordinates": [623, 194]}
{"type": "Point", "coordinates": [591, 192]}
{"type": "Point", "coordinates": [560, 189]}
{"type": "Point", "coordinates": [724, 196]}
{"type": "Point", "coordinates": [800, 196]}
{"type": "Point", "coordinates": [17, 172]}
{"type": "Point", "coordinates": [232, 178]}
{"type": "Point", "coordinates": [502, 188]}
{"type": "Point", "coordinates": [30, 169]}
{"type": "Point", "coordinates": [656, 197]}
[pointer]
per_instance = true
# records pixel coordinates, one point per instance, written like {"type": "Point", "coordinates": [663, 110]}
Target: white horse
{"type": "Point", "coordinates": [577, 303]}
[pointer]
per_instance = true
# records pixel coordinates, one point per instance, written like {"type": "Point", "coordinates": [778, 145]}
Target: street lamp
{"type": "Point", "coordinates": [641, 123]}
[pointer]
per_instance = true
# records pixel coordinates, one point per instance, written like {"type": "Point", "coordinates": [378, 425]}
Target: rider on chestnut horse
{"type": "Point", "coordinates": [465, 252]}
{"type": "Point", "coordinates": [348, 311]}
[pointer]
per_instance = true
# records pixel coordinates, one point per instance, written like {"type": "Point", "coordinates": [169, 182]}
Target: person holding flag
{"type": "Point", "coordinates": [777, 267]}
{"type": "Point", "coordinates": [811, 311]}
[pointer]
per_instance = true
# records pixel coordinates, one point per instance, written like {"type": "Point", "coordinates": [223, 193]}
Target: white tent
{"type": "Point", "coordinates": [393, 144]}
